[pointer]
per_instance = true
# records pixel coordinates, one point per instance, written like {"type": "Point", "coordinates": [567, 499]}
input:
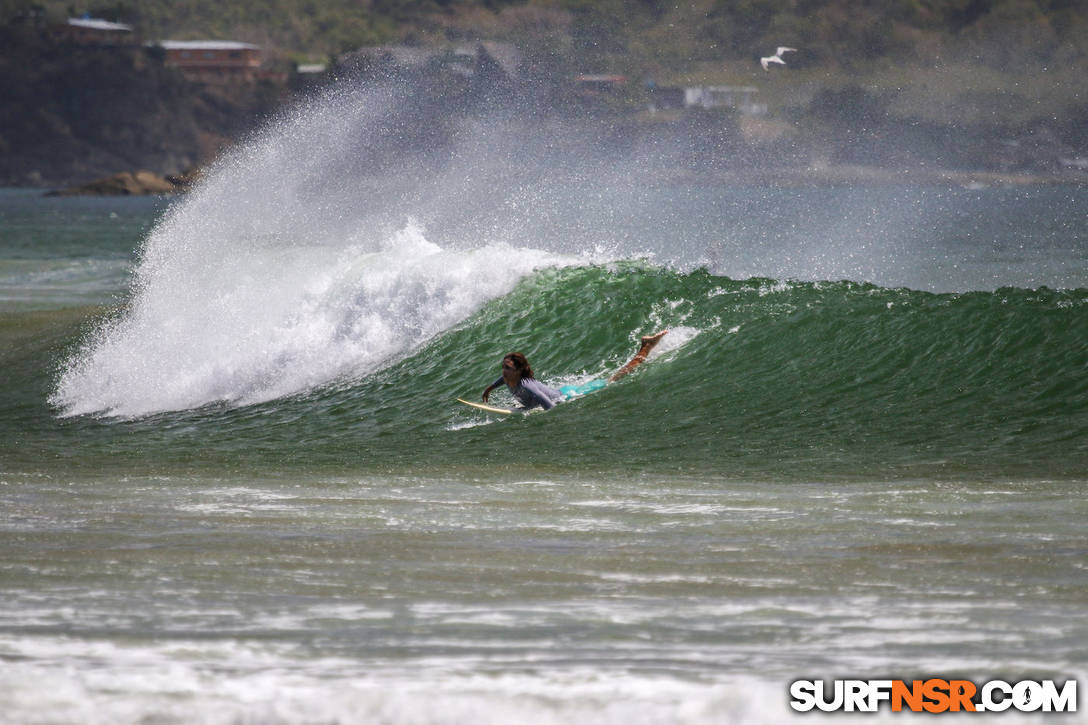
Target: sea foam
{"type": "Point", "coordinates": [247, 326]}
{"type": "Point", "coordinates": [289, 267]}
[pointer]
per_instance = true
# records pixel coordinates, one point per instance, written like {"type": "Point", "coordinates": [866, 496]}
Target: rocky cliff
{"type": "Point", "coordinates": [70, 114]}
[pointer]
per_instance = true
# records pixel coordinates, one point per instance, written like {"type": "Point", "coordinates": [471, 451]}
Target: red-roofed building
{"type": "Point", "coordinates": [213, 61]}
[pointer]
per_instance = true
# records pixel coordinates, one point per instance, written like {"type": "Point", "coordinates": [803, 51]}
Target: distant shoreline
{"type": "Point", "coordinates": [824, 175]}
{"type": "Point", "coordinates": [848, 174]}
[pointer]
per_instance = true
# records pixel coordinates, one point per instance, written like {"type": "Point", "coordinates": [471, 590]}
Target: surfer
{"type": "Point", "coordinates": [517, 375]}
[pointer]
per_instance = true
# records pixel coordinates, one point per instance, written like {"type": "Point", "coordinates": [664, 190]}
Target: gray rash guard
{"type": "Point", "coordinates": [531, 393]}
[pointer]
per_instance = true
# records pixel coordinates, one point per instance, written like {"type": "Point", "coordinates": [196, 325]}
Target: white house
{"type": "Point", "coordinates": [736, 97]}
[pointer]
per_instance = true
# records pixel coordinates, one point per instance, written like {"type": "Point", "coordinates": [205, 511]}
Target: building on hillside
{"type": "Point", "coordinates": [590, 84]}
{"type": "Point", "coordinates": [307, 76]}
{"type": "Point", "coordinates": [736, 97]}
{"type": "Point", "coordinates": [385, 58]}
{"type": "Point", "coordinates": [213, 61]}
{"type": "Point", "coordinates": [494, 60]}
{"type": "Point", "coordinates": [93, 31]}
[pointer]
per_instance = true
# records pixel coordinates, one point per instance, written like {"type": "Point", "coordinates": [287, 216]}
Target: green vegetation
{"type": "Point", "coordinates": [902, 44]}
{"type": "Point", "coordinates": [665, 37]}
{"type": "Point", "coordinates": [998, 84]}
{"type": "Point", "coordinates": [941, 60]}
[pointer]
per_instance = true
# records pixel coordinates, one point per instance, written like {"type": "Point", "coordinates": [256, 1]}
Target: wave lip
{"type": "Point", "coordinates": [258, 322]}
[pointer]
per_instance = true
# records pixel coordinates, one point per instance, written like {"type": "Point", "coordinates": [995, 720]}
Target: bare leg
{"type": "Point", "coordinates": [649, 342]}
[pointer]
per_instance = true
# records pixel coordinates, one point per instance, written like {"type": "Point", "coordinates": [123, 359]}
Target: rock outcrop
{"type": "Point", "coordinates": [138, 183]}
{"type": "Point", "coordinates": [70, 114]}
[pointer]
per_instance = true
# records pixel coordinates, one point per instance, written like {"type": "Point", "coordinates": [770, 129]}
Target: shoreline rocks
{"type": "Point", "coordinates": [126, 183]}
{"type": "Point", "coordinates": [147, 183]}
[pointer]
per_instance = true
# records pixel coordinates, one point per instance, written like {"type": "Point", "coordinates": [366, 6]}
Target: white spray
{"type": "Point", "coordinates": [283, 271]}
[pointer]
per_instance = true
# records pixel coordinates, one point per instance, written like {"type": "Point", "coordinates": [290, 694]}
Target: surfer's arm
{"type": "Point", "coordinates": [489, 388]}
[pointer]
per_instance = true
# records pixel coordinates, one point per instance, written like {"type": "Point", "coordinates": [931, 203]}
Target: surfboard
{"type": "Point", "coordinates": [488, 408]}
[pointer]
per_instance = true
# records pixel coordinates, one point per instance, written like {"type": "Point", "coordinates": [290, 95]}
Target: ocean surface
{"type": "Point", "coordinates": [235, 486]}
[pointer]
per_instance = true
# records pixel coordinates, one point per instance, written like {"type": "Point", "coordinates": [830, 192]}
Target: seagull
{"type": "Point", "coordinates": [777, 57]}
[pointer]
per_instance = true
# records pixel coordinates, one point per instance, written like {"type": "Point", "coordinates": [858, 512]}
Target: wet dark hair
{"type": "Point", "coordinates": [520, 364]}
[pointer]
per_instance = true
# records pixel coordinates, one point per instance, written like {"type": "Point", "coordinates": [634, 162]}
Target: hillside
{"type": "Point", "coordinates": [640, 36]}
{"type": "Point", "coordinates": [75, 113]}
{"type": "Point", "coordinates": [978, 84]}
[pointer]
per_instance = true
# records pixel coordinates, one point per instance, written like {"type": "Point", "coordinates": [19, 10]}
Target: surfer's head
{"type": "Point", "coordinates": [517, 362]}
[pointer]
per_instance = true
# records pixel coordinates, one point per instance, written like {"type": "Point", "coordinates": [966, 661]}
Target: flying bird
{"type": "Point", "coordinates": [777, 57]}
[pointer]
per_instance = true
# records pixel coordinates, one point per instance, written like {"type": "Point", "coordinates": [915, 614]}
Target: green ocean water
{"type": "Point", "coordinates": [890, 382]}
{"type": "Point", "coordinates": [235, 485]}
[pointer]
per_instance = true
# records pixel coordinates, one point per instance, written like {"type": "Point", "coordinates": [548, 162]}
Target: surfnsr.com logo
{"type": "Point", "coordinates": [934, 695]}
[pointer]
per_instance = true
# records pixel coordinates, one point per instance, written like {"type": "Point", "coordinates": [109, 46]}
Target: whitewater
{"type": "Point", "coordinates": [277, 276]}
